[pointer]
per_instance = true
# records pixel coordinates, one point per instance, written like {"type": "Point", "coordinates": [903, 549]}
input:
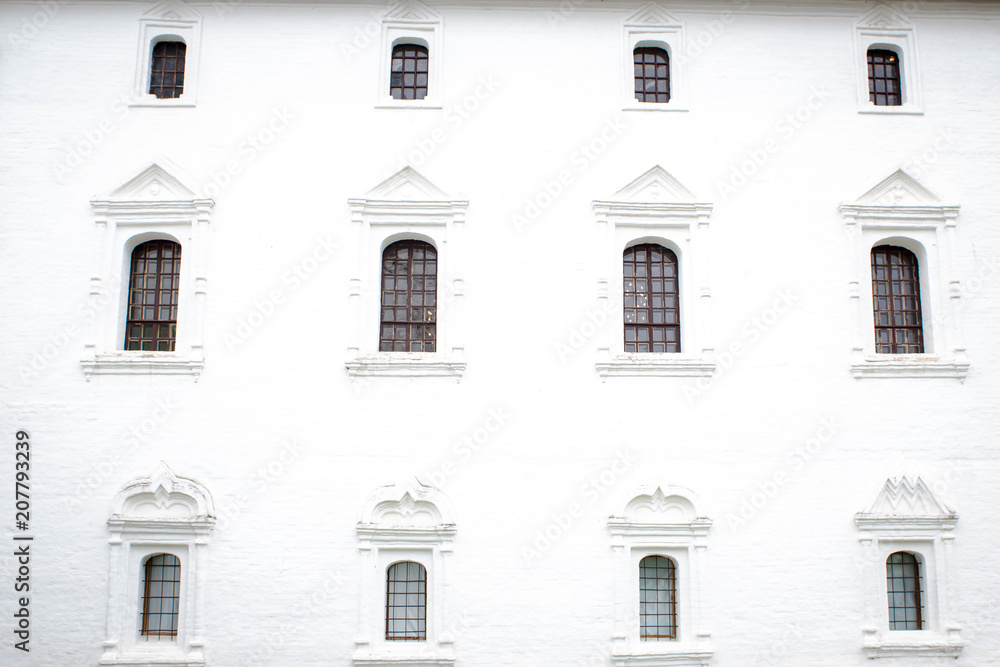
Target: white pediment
{"type": "Point", "coordinates": [907, 497]}
{"type": "Point", "coordinates": [412, 11]}
{"type": "Point", "coordinates": [898, 189]}
{"type": "Point", "coordinates": [163, 495]}
{"type": "Point", "coordinates": [652, 15]}
{"type": "Point", "coordinates": [655, 186]}
{"type": "Point", "coordinates": [660, 507]}
{"type": "Point", "coordinates": [882, 17]}
{"type": "Point", "coordinates": [155, 183]}
{"type": "Point", "coordinates": [172, 10]}
{"type": "Point", "coordinates": [407, 185]}
{"type": "Point", "coordinates": [413, 505]}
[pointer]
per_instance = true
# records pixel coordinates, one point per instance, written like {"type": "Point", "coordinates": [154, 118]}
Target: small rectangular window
{"type": "Point", "coordinates": [166, 76]}
{"type": "Point", "coordinates": [409, 72]}
{"type": "Point", "coordinates": [884, 87]}
{"type": "Point", "coordinates": [152, 297]}
{"type": "Point", "coordinates": [161, 590]}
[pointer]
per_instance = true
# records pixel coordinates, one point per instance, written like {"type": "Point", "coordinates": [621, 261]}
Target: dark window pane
{"type": "Point", "coordinates": [896, 303]}
{"type": "Point", "coordinates": [883, 78]}
{"type": "Point", "coordinates": [407, 284]}
{"type": "Point", "coordinates": [153, 289]}
{"type": "Point", "coordinates": [652, 74]}
{"type": "Point", "coordinates": [407, 60]}
{"type": "Point", "coordinates": [651, 305]}
{"type": "Point", "coordinates": [166, 79]}
{"type": "Point", "coordinates": [902, 572]}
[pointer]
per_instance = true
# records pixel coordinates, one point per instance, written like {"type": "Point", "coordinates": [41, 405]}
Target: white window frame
{"type": "Point", "coordinates": [660, 521]}
{"type": "Point", "coordinates": [411, 22]}
{"type": "Point", "coordinates": [162, 513]}
{"type": "Point", "coordinates": [885, 28]}
{"type": "Point", "coordinates": [158, 203]}
{"type": "Point", "coordinates": [405, 523]}
{"type": "Point", "coordinates": [655, 208]}
{"type": "Point", "coordinates": [168, 21]}
{"type": "Point", "coordinates": [906, 516]}
{"type": "Point", "coordinates": [406, 206]}
{"type": "Point", "coordinates": [652, 26]}
{"type": "Point", "coordinates": [900, 211]}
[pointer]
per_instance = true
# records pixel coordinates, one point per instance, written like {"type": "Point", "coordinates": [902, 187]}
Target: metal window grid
{"type": "Point", "coordinates": [408, 79]}
{"type": "Point", "coordinates": [161, 589]}
{"type": "Point", "coordinates": [652, 74]}
{"type": "Point", "coordinates": [884, 88]}
{"type": "Point", "coordinates": [153, 293]}
{"type": "Point", "coordinates": [902, 573]}
{"type": "Point", "coordinates": [657, 598]}
{"type": "Point", "coordinates": [651, 299]}
{"type": "Point", "coordinates": [406, 602]}
{"type": "Point", "coordinates": [409, 298]}
{"type": "Point", "coordinates": [896, 301]}
{"type": "Point", "coordinates": [166, 77]}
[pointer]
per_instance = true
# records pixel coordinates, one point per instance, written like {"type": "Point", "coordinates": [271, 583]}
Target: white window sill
{"type": "Point", "coordinates": [153, 661]}
{"type": "Point", "coordinates": [909, 366]}
{"type": "Point", "coordinates": [654, 106]}
{"type": "Point", "coordinates": [935, 646]}
{"type": "Point", "coordinates": [663, 659]}
{"type": "Point", "coordinates": [405, 364]}
{"type": "Point", "coordinates": [410, 104]}
{"type": "Point", "coordinates": [142, 363]}
{"type": "Point", "coordinates": [403, 661]}
{"type": "Point", "coordinates": [655, 365]}
{"type": "Point", "coordinates": [154, 101]}
{"type": "Point", "coordinates": [904, 110]}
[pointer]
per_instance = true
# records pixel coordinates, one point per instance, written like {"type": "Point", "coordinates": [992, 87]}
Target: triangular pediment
{"type": "Point", "coordinates": [883, 16]}
{"type": "Point", "coordinates": [154, 183]}
{"type": "Point", "coordinates": [652, 15]}
{"type": "Point", "coordinates": [906, 497]}
{"type": "Point", "coordinates": [412, 10]}
{"type": "Point", "coordinates": [899, 189]}
{"type": "Point", "coordinates": [655, 186]}
{"type": "Point", "coordinates": [407, 185]}
{"type": "Point", "coordinates": [172, 10]}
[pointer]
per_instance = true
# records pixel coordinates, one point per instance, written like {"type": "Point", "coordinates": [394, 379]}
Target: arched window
{"type": "Point", "coordinates": [652, 74]}
{"type": "Point", "coordinates": [152, 297]}
{"type": "Point", "coordinates": [406, 602]}
{"type": "Point", "coordinates": [652, 309]}
{"type": "Point", "coordinates": [409, 297]}
{"type": "Point", "coordinates": [166, 77]}
{"type": "Point", "coordinates": [896, 301]}
{"type": "Point", "coordinates": [902, 575]}
{"type": "Point", "coordinates": [408, 79]}
{"type": "Point", "coordinates": [161, 591]}
{"type": "Point", "coordinates": [657, 598]}
{"type": "Point", "coordinates": [884, 88]}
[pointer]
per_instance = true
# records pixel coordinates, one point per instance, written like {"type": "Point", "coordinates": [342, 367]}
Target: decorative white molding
{"type": "Point", "coordinates": [411, 522]}
{"type": "Point", "coordinates": [158, 202]}
{"type": "Point", "coordinates": [905, 515]}
{"type": "Point", "coordinates": [411, 22]}
{"type": "Point", "coordinates": [170, 20]}
{"type": "Point", "coordinates": [884, 27]}
{"type": "Point", "coordinates": [901, 211]}
{"type": "Point", "coordinates": [655, 208]}
{"type": "Point", "coordinates": [162, 513]}
{"type": "Point", "coordinates": [406, 206]}
{"type": "Point", "coordinates": [652, 25]}
{"type": "Point", "coordinates": [660, 521]}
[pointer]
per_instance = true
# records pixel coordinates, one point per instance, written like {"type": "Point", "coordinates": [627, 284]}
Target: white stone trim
{"type": "Point", "coordinates": [158, 203]}
{"type": "Point", "coordinates": [656, 208]}
{"type": "Point", "coordinates": [411, 22]}
{"type": "Point", "coordinates": [411, 522]}
{"type": "Point", "coordinates": [162, 513]}
{"type": "Point", "coordinates": [883, 27]}
{"type": "Point", "coordinates": [660, 521]}
{"type": "Point", "coordinates": [654, 26]}
{"type": "Point", "coordinates": [906, 516]}
{"type": "Point", "coordinates": [406, 206]}
{"type": "Point", "coordinates": [900, 211]}
{"type": "Point", "coordinates": [167, 20]}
